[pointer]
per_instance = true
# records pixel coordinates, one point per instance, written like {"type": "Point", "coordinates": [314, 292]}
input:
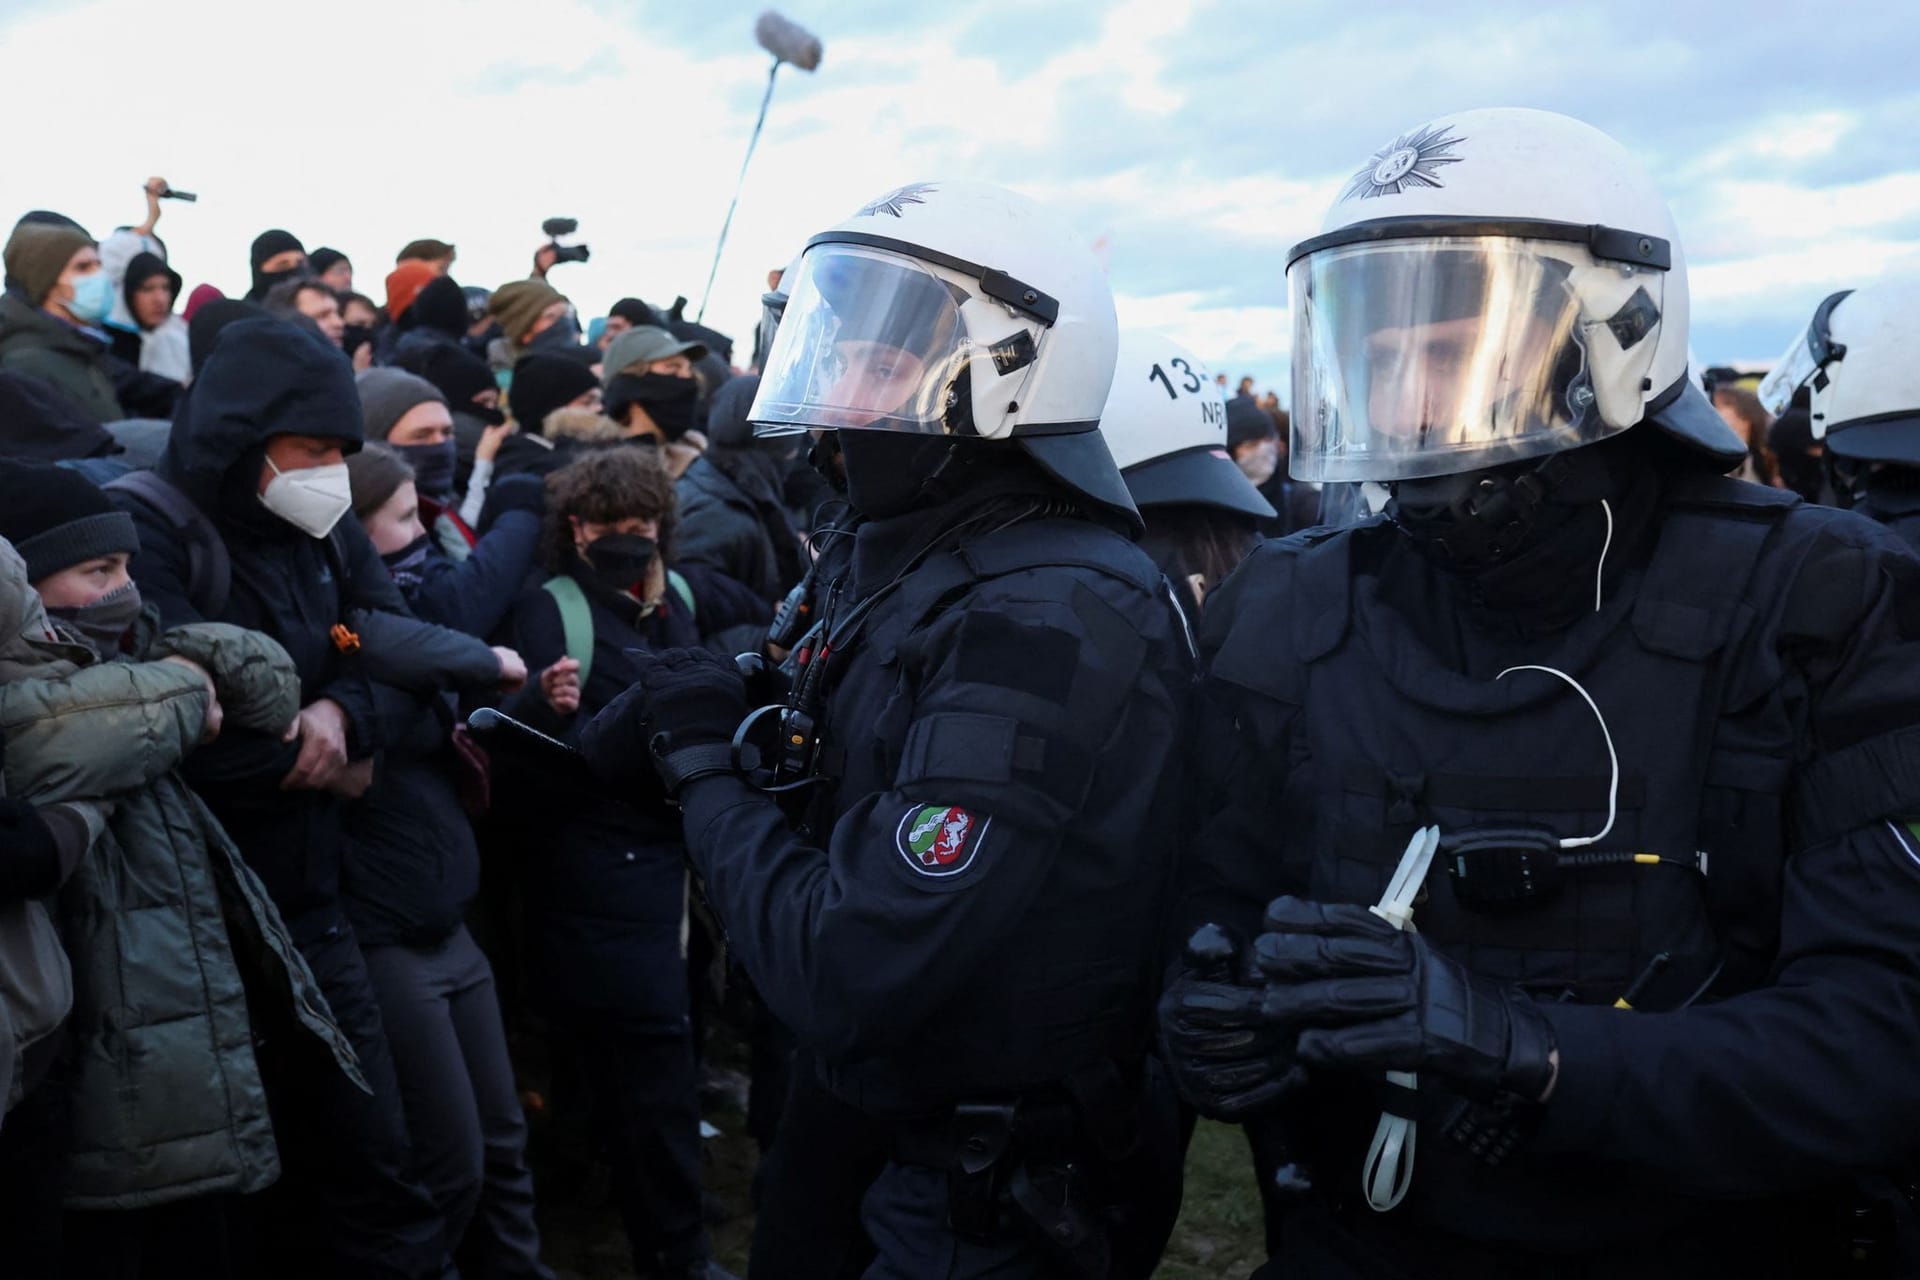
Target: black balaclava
{"type": "Point", "coordinates": [265, 246]}
{"type": "Point", "coordinates": [1536, 575]}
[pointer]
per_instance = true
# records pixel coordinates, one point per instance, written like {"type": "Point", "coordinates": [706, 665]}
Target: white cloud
{"type": "Point", "coordinates": [367, 123]}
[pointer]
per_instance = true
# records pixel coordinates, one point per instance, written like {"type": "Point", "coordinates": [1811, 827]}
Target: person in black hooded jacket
{"type": "Point", "coordinates": [731, 514]}
{"type": "Point", "coordinates": [257, 449]}
{"type": "Point", "coordinates": [437, 317]}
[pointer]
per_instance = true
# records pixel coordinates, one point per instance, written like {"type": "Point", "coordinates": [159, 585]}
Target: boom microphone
{"type": "Point", "coordinates": [787, 41]}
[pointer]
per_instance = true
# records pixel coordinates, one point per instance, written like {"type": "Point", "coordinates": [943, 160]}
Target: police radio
{"type": "Point", "coordinates": [777, 747]}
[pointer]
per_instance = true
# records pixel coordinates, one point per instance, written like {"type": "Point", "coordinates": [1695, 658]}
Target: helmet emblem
{"type": "Point", "coordinates": [1410, 160]}
{"type": "Point", "coordinates": [894, 201]}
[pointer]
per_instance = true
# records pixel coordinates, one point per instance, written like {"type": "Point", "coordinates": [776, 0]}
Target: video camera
{"type": "Point", "coordinates": [557, 227]}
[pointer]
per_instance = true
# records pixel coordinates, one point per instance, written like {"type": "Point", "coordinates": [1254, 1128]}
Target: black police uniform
{"type": "Point", "coordinates": [1757, 662]}
{"type": "Point", "coordinates": [962, 929]}
{"type": "Point", "coordinates": [1893, 498]}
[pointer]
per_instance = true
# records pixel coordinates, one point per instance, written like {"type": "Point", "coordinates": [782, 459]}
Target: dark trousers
{"type": "Point", "coordinates": [33, 1150]}
{"type": "Point", "coordinates": [644, 1108]}
{"type": "Point", "coordinates": [810, 1183]}
{"type": "Point", "coordinates": [469, 1133]}
{"type": "Point", "coordinates": [348, 1204]}
{"type": "Point", "coordinates": [197, 1239]}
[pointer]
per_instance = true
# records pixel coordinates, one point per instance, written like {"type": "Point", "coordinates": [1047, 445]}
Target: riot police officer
{"type": "Point", "coordinates": [958, 910]}
{"type": "Point", "coordinates": [1166, 425]}
{"type": "Point", "coordinates": [1858, 364]}
{"type": "Point", "coordinates": [1559, 888]}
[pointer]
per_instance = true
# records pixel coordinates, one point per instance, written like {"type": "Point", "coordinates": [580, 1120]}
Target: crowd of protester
{"type": "Point", "coordinates": [264, 558]}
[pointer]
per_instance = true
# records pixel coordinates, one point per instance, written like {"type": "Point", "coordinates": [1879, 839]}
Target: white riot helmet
{"type": "Point", "coordinates": [1860, 362]}
{"type": "Point", "coordinates": [957, 309]}
{"type": "Point", "coordinates": [1493, 286]}
{"type": "Point", "coordinates": [1166, 425]}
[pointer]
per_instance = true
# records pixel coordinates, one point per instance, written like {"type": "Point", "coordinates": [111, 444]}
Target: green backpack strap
{"type": "Point", "coordinates": [680, 588]}
{"type": "Point", "coordinates": [576, 621]}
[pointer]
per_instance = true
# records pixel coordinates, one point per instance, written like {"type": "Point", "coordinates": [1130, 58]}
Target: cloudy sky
{"type": "Point", "coordinates": [1194, 140]}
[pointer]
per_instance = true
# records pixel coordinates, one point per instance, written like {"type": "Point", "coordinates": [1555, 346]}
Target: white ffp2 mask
{"type": "Point", "coordinates": [312, 499]}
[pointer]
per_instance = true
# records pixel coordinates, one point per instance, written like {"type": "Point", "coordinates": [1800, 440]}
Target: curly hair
{"type": "Point", "coordinates": [606, 487]}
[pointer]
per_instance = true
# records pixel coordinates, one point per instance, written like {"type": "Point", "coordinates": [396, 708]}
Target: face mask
{"type": "Point", "coordinates": [671, 402]}
{"type": "Point", "coordinates": [406, 565]}
{"type": "Point", "coordinates": [1259, 464]}
{"type": "Point", "coordinates": [92, 298]}
{"type": "Point", "coordinates": [312, 500]}
{"type": "Point", "coordinates": [354, 336]}
{"type": "Point", "coordinates": [620, 560]}
{"type": "Point", "coordinates": [432, 466]}
{"type": "Point", "coordinates": [562, 333]}
{"type": "Point", "coordinates": [104, 622]}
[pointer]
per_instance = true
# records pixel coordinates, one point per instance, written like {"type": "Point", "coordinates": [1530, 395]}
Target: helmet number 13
{"type": "Point", "coordinates": [1190, 382]}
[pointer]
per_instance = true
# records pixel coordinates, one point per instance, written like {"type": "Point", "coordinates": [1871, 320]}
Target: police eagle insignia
{"type": "Point", "coordinates": [1408, 161]}
{"type": "Point", "coordinates": [939, 840]}
{"type": "Point", "coordinates": [894, 201]}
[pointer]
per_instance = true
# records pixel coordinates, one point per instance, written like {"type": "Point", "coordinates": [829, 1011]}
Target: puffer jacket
{"type": "Point", "coordinates": [162, 916]}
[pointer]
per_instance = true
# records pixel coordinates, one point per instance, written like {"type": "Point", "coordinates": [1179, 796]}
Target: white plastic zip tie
{"type": "Point", "coordinates": [1613, 760]}
{"type": "Point", "coordinates": [1605, 547]}
{"type": "Point", "coordinates": [1389, 1168]}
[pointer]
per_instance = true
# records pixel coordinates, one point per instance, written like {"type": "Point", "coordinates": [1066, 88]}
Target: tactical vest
{"type": "Point", "coordinates": [1381, 738]}
{"type": "Point", "coordinates": [1074, 981]}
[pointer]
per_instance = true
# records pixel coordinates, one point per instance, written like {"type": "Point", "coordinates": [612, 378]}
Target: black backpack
{"type": "Point", "coordinates": [209, 568]}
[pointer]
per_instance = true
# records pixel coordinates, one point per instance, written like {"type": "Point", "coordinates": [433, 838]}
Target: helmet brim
{"type": "Point", "coordinates": [1203, 477]}
{"type": "Point", "coordinates": [1081, 461]}
{"type": "Point", "coordinates": [1690, 418]}
{"type": "Point", "coordinates": [1893, 437]}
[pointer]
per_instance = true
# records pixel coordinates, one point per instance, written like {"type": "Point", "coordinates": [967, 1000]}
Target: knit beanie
{"type": "Point", "coordinates": [404, 282]}
{"type": "Point", "coordinates": [374, 473]}
{"type": "Point", "coordinates": [321, 260]}
{"type": "Point", "coordinates": [1247, 421]}
{"type": "Point", "coordinates": [634, 312]}
{"type": "Point", "coordinates": [543, 383]}
{"type": "Point", "coordinates": [516, 306]}
{"type": "Point", "coordinates": [388, 395]}
{"type": "Point", "coordinates": [269, 244]}
{"type": "Point", "coordinates": [37, 254]}
{"type": "Point", "coordinates": [441, 305]}
{"type": "Point", "coordinates": [57, 518]}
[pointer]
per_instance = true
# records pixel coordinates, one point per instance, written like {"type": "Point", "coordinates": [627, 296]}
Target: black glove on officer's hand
{"type": "Point", "coordinates": [680, 713]}
{"type": "Point", "coordinates": [1227, 1056]}
{"type": "Point", "coordinates": [1364, 996]}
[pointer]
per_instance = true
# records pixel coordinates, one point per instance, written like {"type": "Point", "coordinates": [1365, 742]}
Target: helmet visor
{"type": "Point", "coordinates": [870, 340]}
{"type": "Point", "coordinates": [1434, 357]}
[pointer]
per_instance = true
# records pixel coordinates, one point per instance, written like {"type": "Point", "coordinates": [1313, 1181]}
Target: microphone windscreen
{"type": "Point", "coordinates": [787, 41]}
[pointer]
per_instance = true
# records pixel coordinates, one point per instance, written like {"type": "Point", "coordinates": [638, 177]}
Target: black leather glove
{"type": "Point", "coordinates": [1364, 996]}
{"type": "Point", "coordinates": [681, 713]}
{"type": "Point", "coordinates": [1228, 1057]}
